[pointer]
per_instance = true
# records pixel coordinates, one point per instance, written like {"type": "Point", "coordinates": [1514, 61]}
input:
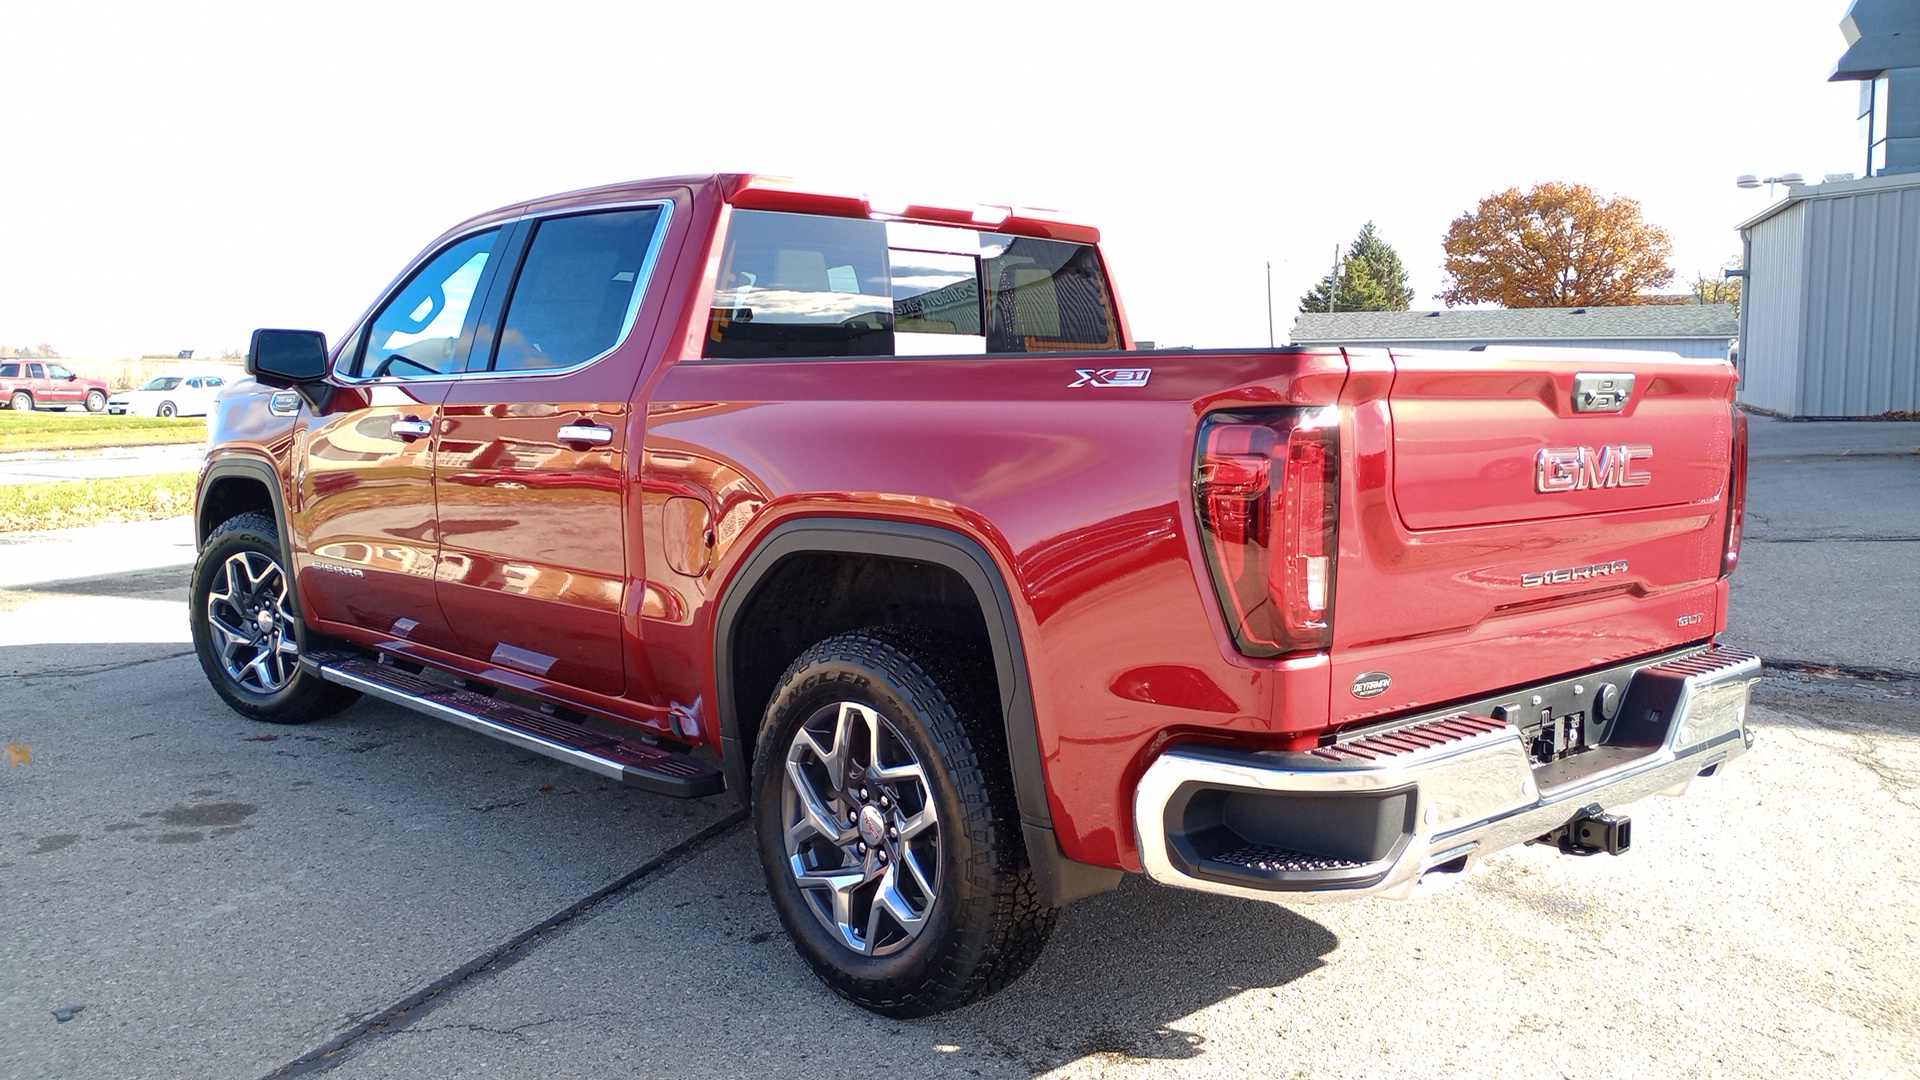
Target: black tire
{"type": "Point", "coordinates": [165, 411]}
{"type": "Point", "coordinates": [981, 924]}
{"type": "Point", "coordinates": [21, 401]}
{"type": "Point", "coordinates": [96, 401]}
{"type": "Point", "coordinates": [247, 629]}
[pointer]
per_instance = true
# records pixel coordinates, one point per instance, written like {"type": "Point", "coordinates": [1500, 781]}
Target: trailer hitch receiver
{"type": "Point", "coordinates": [1593, 832]}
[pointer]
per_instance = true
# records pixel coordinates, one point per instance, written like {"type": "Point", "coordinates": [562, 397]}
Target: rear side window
{"type": "Point", "coordinates": [798, 285]}
{"type": "Point", "coordinates": [9, 371]}
{"type": "Point", "coordinates": [579, 288]}
{"type": "Point", "coordinates": [794, 285]}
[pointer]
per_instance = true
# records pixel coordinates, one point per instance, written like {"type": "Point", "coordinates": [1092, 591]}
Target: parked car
{"type": "Point", "coordinates": [878, 521]}
{"type": "Point", "coordinates": [171, 395]}
{"type": "Point", "coordinates": [40, 384]}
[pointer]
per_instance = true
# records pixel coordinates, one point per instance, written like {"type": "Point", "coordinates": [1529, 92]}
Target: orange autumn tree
{"type": "Point", "coordinates": [1558, 245]}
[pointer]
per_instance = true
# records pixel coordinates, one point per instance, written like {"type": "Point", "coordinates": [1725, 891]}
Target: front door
{"type": "Point", "coordinates": [365, 476]}
{"type": "Point", "coordinates": [63, 386]}
{"type": "Point", "coordinates": [532, 454]}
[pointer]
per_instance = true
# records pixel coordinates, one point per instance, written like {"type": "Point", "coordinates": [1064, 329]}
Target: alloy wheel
{"type": "Point", "coordinates": [253, 632]}
{"type": "Point", "coordinates": [861, 831]}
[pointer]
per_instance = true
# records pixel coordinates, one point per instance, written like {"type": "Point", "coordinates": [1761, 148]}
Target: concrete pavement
{"type": "Point", "coordinates": [1830, 570]}
{"type": "Point", "coordinates": [382, 895]}
{"type": "Point", "coordinates": [40, 466]}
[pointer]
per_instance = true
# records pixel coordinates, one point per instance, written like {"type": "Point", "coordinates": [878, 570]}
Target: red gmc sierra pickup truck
{"type": "Point", "coordinates": [875, 518]}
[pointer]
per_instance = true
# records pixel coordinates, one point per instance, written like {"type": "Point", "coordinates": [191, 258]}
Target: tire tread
{"type": "Point", "coordinates": [1002, 927]}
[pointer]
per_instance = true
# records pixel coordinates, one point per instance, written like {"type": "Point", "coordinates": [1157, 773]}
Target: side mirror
{"type": "Point", "coordinates": [287, 358]}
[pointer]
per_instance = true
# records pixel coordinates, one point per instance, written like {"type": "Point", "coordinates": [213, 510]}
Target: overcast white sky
{"type": "Point", "coordinates": [176, 174]}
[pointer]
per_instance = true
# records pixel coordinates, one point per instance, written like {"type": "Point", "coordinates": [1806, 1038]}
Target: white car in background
{"type": "Point", "coordinates": [187, 394]}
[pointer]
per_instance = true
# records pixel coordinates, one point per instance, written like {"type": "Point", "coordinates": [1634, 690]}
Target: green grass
{"type": "Point", "coordinates": [67, 431]}
{"type": "Point", "coordinates": [63, 504]}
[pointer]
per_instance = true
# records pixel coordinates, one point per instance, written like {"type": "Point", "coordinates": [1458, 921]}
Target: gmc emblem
{"type": "Point", "coordinates": [1576, 468]}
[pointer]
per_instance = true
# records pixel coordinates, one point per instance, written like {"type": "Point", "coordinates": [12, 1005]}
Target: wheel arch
{"type": "Point", "coordinates": [233, 486]}
{"type": "Point", "coordinates": [938, 551]}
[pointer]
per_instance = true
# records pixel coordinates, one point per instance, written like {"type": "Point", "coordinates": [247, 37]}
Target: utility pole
{"type": "Point", "coordinates": [1269, 303]}
{"type": "Point", "coordinates": [1333, 279]}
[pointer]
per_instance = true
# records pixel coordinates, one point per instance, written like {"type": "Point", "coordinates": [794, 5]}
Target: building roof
{"type": "Point", "coordinates": [1645, 321]}
{"type": "Point", "coordinates": [1833, 189]}
{"type": "Point", "coordinates": [1881, 34]}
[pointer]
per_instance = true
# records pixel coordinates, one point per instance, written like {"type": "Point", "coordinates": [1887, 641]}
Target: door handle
{"type": "Point", "coordinates": [586, 433]}
{"type": "Point", "coordinates": [412, 428]}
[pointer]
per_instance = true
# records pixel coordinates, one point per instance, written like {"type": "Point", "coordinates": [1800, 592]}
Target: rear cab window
{"type": "Point", "coordinates": [799, 285]}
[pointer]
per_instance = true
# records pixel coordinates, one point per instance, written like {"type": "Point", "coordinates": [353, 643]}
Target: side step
{"type": "Point", "coordinates": [631, 761]}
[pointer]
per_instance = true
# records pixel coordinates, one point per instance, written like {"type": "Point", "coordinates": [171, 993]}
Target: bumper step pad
{"type": "Point", "coordinates": [629, 760]}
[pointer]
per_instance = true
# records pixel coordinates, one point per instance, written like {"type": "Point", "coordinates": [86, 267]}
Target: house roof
{"type": "Point", "coordinates": [1520, 324]}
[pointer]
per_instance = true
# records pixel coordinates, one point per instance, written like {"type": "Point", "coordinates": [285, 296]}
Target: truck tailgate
{"type": "Point", "coordinates": [1529, 522]}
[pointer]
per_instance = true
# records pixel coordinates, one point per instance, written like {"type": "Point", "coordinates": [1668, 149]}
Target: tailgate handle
{"type": "Point", "coordinates": [586, 433]}
{"type": "Point", "coordinates": [1602, 391]}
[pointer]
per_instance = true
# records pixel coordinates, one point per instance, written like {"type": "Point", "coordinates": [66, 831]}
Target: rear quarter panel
{"type": "Point", "coordinates": [1082, 494]}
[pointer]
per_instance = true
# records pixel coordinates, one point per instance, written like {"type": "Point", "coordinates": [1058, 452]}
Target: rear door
{"type": "Point", "coordinates": [39, 385]}
{"type": "Point", "coordinates": [533, 451]}
{"type": "Point", "coordinates": [1517, 514]}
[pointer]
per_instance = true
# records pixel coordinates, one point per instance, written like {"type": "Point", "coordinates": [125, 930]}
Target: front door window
{"type": "Point", "coordinates": [422, 329]}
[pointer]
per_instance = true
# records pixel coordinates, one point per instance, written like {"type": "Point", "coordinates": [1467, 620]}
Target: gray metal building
{"type": "Point", "coordinates": [1699, 330]}
{"type": "Point", "coordinates": [1832, 307]}
{"type": "Point", "coordinates": [1830, 325]}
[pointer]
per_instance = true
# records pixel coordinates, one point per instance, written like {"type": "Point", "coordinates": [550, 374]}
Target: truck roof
{"type": "Point", "coordinates": [760, 191]}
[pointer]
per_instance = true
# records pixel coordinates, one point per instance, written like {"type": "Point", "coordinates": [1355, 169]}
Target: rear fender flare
{"type": "Point", "coordinates": [1058, 878]}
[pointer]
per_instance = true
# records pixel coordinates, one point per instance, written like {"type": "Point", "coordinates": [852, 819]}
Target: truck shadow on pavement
{"type": "Point", "coordinates": [1125, 967]}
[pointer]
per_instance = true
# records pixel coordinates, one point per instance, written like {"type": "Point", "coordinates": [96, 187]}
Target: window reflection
{"type": "Point", "coordinates": [418, 331]}
{"type": "Point", "coordinates": [799, 285]}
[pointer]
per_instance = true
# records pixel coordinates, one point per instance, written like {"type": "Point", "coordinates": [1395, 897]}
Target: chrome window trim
{"type": "Point", "coordinates": [642, 280]}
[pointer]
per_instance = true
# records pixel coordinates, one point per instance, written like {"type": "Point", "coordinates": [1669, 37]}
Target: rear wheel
{"type": "Point", "coordinates": [21, 401]}
{"type": "Point", "coordinates": [246, 631]}
{"type": "Point", "coordinates": [887, 826]}
{"type": "Point", "coordinates": [96, 401]}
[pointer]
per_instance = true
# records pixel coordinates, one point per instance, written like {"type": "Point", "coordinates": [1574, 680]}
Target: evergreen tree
{"type": "Point", "coordinates": [1371, 279]}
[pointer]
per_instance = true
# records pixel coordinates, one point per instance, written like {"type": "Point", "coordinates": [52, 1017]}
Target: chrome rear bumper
{"type": "Point", "coordinates": [1376, 815]}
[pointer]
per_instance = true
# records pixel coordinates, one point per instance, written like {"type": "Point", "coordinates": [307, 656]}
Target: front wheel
{"type": "Point", "coordinates": [246, 631]}
{"type": "Point", "coordinates": [96, 401]}
{"type": "Point", "coordinates": [165, 411]}
{"type": "Point", "coordinates": [887, 827]}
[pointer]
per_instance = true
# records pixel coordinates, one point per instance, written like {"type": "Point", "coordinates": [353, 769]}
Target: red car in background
{"type": "Point", "coordinates": [36, 384]}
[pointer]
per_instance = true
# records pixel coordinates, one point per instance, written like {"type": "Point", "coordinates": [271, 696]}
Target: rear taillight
{"type": "Point", "coordinates": [1266, 492]}
{"type": "Point", "coordinates": [1736, 495]}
